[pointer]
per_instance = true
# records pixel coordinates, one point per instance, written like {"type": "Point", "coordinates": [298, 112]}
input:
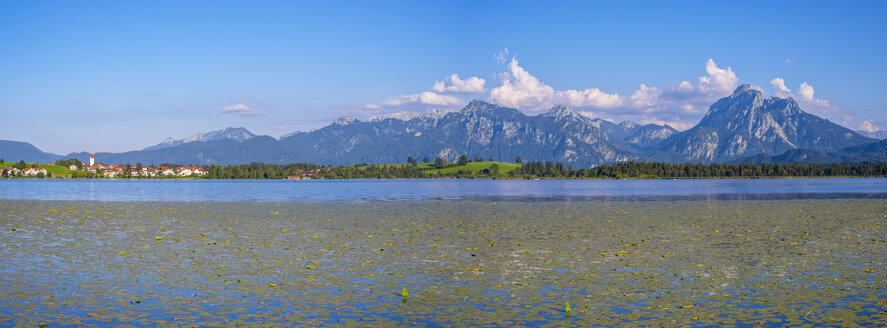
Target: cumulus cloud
{"type": "Point", "coordinates": [453, 84]}
{"type": "Point", "coordinates": [867, 126]}
{"type": "Point", "coordinates": [242, 110]}
{"type": "Point", "coordinates": [424, 99]}
{"type": "Point", "coordinates": [718, 79]}
{"type": "Point", "coordinates": [807, 100]}
{"type": "Point", "coordinates": [646, 96]}
{"type": "Point", "coordinates": [806, 92]}
{"type": "Point", "coordinates": [678, 105]}
{"type": "Point", "coordinates": [519, 89]}
{"type": "Point", "coordinates": [780, 89]}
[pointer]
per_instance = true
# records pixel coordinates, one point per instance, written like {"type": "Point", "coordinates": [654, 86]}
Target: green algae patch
{"type": "Point", "coordinates": [444, 263]}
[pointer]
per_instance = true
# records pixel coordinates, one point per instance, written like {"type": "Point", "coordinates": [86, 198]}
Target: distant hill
{"type": "Point", "coordinates": [263, 149]}
{"type": "Point", "coordinates": [14, 151]}
{"type": "Point", "coordinates": [871, 152]}
{"type": "Point", "coordinates": [880, 134]}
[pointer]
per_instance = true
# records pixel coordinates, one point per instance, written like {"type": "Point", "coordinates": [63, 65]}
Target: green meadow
{"type": "Point", "coordinates": [55, 171]}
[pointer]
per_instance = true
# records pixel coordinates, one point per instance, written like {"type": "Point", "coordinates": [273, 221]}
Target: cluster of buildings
{"type": "Point", "coordinates": [26, 172]}
{"type": "Point", "coordinates": [112, 171]}
{"type": "Point", "coordinates": [304, 175]}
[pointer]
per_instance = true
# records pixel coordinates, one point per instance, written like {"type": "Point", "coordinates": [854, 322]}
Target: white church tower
{"type": "Point", "coordinates": [91, 160]}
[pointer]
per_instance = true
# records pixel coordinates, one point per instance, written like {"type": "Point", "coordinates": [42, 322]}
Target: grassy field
{"type": "Point", "coordinates": [477, 167]}
{"type": "Point", "coordinates": [55, 170]}
{"type": "Point", "coordinates": [473, 167]}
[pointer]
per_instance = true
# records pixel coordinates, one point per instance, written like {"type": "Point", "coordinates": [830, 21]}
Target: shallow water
{"type": "Point", "coordinates": [463, 263]}
{"type": "Point", "coordinates": [441, 189]}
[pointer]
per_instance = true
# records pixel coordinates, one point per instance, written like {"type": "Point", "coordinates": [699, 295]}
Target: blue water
{"type": "Point", "coordinates": [393, 190]}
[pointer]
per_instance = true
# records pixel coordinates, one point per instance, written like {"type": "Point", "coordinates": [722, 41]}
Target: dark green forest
{"type": "Point", "coordinates": [531, 170]}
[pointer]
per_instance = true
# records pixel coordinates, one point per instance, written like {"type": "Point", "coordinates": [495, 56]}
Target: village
{"type": "Point", "coordinates": [109, 171]}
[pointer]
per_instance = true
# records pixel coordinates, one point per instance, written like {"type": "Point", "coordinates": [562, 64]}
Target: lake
{"type": "Point", "coordinates": [442, 189]}
{"type": "Point", "coordinates": [443, 253]}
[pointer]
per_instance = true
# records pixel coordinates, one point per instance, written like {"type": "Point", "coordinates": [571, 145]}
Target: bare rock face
{"type": "Point", "coordinates": [746, 123]}
{"type": "Point", "coordinates": [236, 134]}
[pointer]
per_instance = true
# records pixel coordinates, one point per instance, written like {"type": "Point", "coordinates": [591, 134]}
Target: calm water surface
{"type": "Point", "coordinates": [394, 190]}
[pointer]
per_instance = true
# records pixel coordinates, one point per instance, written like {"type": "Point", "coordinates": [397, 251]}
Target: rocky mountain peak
{"type": "Point", "coordinates": [345, 120]}
{"type": "Point", "coordinates": [745, 98]}
{"type": "Point", "coordinates": [560, 112]}
{"type": "Point", "coordinates": [747, 89]}
{"type": "Point", "coordinates": [478, 105]}
{"type": "Point", "coordinates": [788, 106]}
{"type": "Point", "coordinates": [745, 123]}
{"type": "Point", "coordinates": [628, 125]}
{"type": "Point", "coordinates": [237, 134]}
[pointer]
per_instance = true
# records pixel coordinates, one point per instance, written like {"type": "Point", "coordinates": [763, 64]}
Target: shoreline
{"type": "Point", "coordinates": [475, 178]}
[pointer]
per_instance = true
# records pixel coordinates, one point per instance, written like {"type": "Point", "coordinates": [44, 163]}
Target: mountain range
{"type": "Point", "coordinates": [744, 126]}
{"type": "Point", "coordinates": [236, 134]}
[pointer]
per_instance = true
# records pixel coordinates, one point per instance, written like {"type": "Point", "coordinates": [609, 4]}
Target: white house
{"type": "Point", "coordinates": [183, 171]}
{"type": "Point", "coordinates": [72, 167]}
{"type": "Point", "coordinates": [113, 172]}
{"type": "Point", "coordinates": [11, 171]}
{"type": "Point", "coordinates": [32, 171]}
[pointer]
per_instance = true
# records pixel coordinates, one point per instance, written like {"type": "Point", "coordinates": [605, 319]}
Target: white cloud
{"type": "Point", "coordinates": [681, 104]}
{"type": "Point", "coordinates": [646, 96]}
{"type": "Point", "coordinates": [241, 109]}
{"type": "Point", "coordinates": [501, 56]}
{"type": "Point", "coordinates": [519, 89]}
{"type": "Point", "coordinates": [593, 97]}
{"type": "Point", "coordinates": [453, 84]}
{"type": "Point", "coordinates": [810, 103]}
{"type": "Point", "coordinates": [678, 105]}
{"type": "Point", "coordinates": [867, 126]}
{"type": "Point", "coordinates": [718, 79]}
{"type": "Point", "coordinates": [677, 125]}
{"type": "Point", "coordinates": [806, 91]}
{"type": "Point", "coordinates": [788, 61]}
{"type": "Point", "coordinates": [424, 99]}
{"type": "Point", "coordinates": [781, 89]}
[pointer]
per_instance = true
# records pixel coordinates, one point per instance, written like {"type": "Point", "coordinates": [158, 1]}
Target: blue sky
{"type": "Point", "coordinates": [122, 75]}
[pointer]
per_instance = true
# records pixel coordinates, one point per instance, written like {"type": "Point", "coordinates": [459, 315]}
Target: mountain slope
{"type": "Point", "coordinates": [880, 134]}
{"type": "Point", "coordinates": [236, 134]}
{"type": "Point", "coordinates": [263, 149]}
{"type": "Point", "coordinates": [872, 152]}
{"type": "Point", "coordinates": [745, 123]}
{"type": "Point", "coordinates": [14, 151]}
{"type": "Point", "coordinates": [479, 130]}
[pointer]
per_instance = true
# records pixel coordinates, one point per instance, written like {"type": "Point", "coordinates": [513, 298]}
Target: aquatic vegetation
{"type": "Point", "coordinates": [444, 263]}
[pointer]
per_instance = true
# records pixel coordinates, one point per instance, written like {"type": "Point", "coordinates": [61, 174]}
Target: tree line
{"type": "Point", "coordinates": [652, 170]}
{"type": "Point", "coordinates": [530, 170]}
{"type": "Point", "coordinates": [527, 170]}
